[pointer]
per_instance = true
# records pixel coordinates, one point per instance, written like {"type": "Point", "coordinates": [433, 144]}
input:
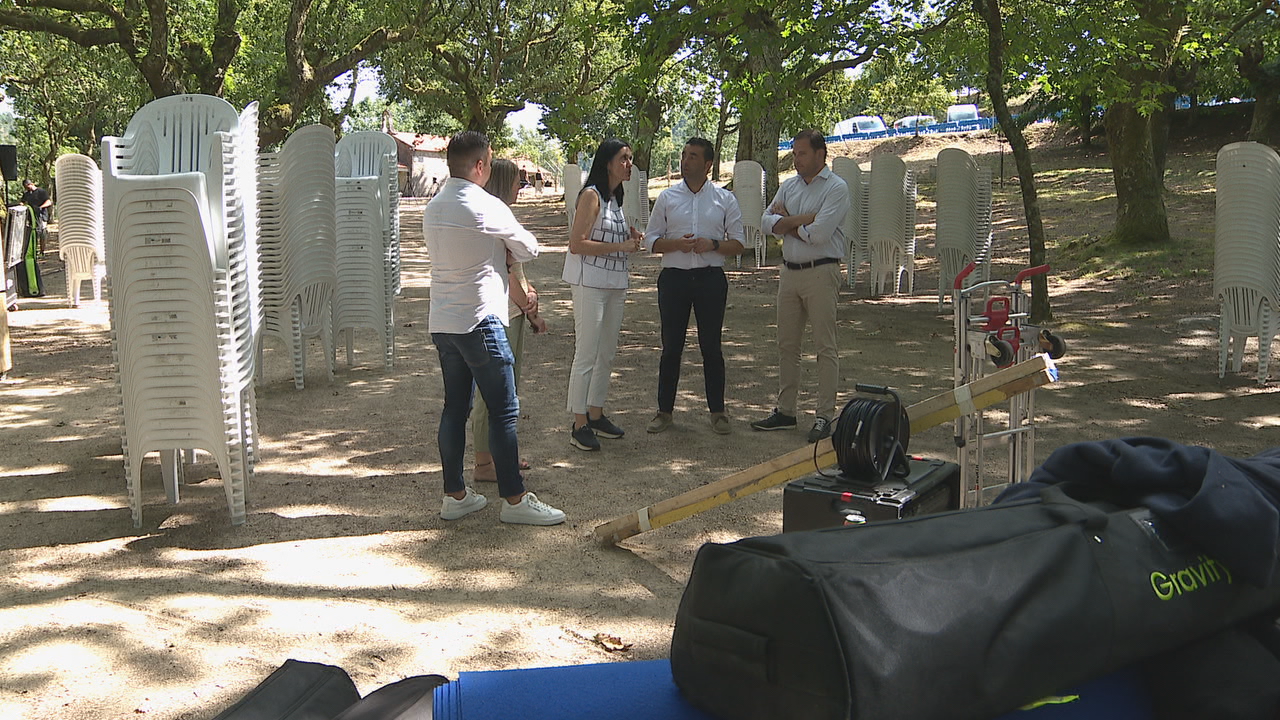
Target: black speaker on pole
{"type": "Point", "coordinates": [9, 161]}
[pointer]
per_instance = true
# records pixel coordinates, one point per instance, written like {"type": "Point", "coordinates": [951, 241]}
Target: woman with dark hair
{"type": "Point", "coordinates": [522, 306]}
{"type": "Point", "coordinates": [596, 268]}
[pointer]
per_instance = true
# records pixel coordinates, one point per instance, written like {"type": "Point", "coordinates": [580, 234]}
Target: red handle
{"type": "Point", "coordinates": [1037, 270]}
{"type": "Point", "coordinates": [965, 273]}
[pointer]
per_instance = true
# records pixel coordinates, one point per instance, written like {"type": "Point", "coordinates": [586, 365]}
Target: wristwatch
{"type": "Point", "coordinates": [715, 245]}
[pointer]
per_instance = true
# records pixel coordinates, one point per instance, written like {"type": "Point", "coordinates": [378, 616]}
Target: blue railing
{"type": "Point", "coordinates": [986, 123]}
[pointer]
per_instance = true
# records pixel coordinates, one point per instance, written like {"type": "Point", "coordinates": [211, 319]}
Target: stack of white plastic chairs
{"type": "Point", "coordinates": [373, 154]}
{"type": "Point", "coordinates": [181, 248]}
{"type": "Point", "coordinates": [80, 240]}
{"type": "Point", "coordinates": [635, 199]}
{"type": "Point", "coordinates": [891, 225]}
{"type": "Point", "coordinates": [572, 179]}
{"type": "Point", "coordinates": [1246, 253]}
{"type": "Point", "coordinates": [963, 220]}
{"type": "Point", "coordinates": [855, 221]}
{"type": "Point", "coordinates": [368, 227]}
{"type": "Point", "coordinates": [298, 246]}
{"type": "Point", "coordinates": [748, 188]}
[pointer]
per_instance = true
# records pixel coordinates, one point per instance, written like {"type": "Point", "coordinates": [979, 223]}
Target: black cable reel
{"type": "Point", "coordinates": [871, 436]}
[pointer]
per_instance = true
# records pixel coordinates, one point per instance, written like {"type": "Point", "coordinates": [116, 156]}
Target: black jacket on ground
{"type": "Point", "coordinates": [1228, 508]}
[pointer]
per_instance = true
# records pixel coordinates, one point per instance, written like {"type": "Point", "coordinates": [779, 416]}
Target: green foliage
{"type": "Point", "coordinates": [539, 148]}
{"type": "Point", "coordinates": [367, 115]}
{"type": "Point", "coordinates": [282, 53]}
{"type": "Point", "coordinates": [65, 97]}
{"type": "Point", "coordinates": [7, 123]}
{"type": "Point", "coordinates": [894, 86]}
{"type": "Point", "coordinates": [497, 55]}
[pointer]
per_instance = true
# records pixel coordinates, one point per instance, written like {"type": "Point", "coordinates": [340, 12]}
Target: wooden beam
{"type": "Point", "coordinates": [939, 409]}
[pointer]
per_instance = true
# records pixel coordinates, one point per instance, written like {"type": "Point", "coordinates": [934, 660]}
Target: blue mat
{"type": "Point", "coordinates": [645, 691]}
{"type": "Point", "coordinates": [617, 691]}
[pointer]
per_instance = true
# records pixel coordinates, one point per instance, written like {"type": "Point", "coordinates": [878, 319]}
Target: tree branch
{"type": "Point", "coordinates": [1249, 17]}
{"type": "Point", "coordinates": [295, 58]}
{"type": "Point", "coordinates": [75, 6]}
{"type": "Point", "coordinates": [84, 37]}
{"type": "Point", "coordinates": [375, 42]}
{"type": "Point", "coordinates": [834, 65]}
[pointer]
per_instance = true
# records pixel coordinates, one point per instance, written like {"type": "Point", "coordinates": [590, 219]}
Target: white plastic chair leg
{"type": "Point", "coordinates": [297, 345]}
{"type": "Point", "coordinates": [171, 471]}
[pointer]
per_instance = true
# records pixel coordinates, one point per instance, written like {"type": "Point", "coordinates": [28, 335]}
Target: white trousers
{"type": "Point", "coordinates": [597, 320]}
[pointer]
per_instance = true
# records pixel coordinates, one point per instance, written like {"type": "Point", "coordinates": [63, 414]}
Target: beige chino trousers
{"type": "Point", "coordinates": [808, 297]}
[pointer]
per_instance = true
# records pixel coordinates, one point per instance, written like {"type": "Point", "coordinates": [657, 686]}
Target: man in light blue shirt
{"type": "Point", "coordinates": [807, 213]}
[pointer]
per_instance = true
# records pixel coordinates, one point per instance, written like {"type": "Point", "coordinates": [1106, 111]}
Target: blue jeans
{"type": "Point", "coordinates": [481, 357]}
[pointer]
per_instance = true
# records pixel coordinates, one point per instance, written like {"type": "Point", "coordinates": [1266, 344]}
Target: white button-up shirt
{"type": "Point", "coordinates": [712, 212]}
{"type": "Point", "coordinates": [468, 233]}
{"type": "Point", "coordinates": [827, 196]}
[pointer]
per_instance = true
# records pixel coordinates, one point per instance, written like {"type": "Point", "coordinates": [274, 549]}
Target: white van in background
{"type": "Point", "coordinates": [859, 125]}
{"type": "Point", "coordinates": [962, 113]}
{"type": "Point", "coordinates": [913, 121]}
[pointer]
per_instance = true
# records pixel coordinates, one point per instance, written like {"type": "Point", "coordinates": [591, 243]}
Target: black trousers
{"type": "Point", "coordinates": [704, 291]}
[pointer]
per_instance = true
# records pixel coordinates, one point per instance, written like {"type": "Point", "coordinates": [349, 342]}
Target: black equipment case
{"type": "Point", "coordinates": [301, 690]}
{"type": "Point", "coordinates": [297, 690]}
{"type": "Point", "coordinates": [956, 616]}
{"type": "Point", "coordinates": [832, 499]}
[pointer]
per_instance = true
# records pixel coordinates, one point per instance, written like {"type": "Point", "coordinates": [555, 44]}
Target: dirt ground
{"type": "Point", "coordinates": [344, 559]}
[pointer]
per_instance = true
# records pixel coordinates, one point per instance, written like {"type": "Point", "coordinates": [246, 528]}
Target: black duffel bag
{"type": "Point", "coordinates": [967, 614]}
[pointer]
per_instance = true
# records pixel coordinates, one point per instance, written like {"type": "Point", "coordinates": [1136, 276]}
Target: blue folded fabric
{"type": "Point", "coordinates": [641, 690]}
{"type": "Point", "coordinates": [644, 690]}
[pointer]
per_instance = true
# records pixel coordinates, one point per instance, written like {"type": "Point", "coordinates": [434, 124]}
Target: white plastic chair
{"type": "Point", "coordinates": [963, 220]}
{"type": "Point", "coordinates": [855, 221]}
{"type": "Point", "coordinates": [361, 297]}
{"type": "Point", "coordinates": [173, 341]}
{"type": "Point", "coordinates": [297, 201]}
{"type": "Point", "coordinates": [891, 225]}
{"type": "Point", "coordinates": [374, 154]}
{"type": "Point", "coordinates": [368, 247]}
{"type": "Point", "coordinates": [572, 181]}
{"type": "Point", "coordinates": [1246, 263]}
{"type": "Point", "coordinates": [181, 245]}
{"type": "Point", "coordinates": [748, 188]}
{"type": "Point", "coordinates": [635, 199]}
{"type": "Point", "coordinates": [80, 233]}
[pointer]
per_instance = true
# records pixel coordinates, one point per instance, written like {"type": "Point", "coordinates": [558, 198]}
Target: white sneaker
{"type": "Point", "coordinates": [530, 511]}
{"type": "Point", "coordinates": [453, 509]}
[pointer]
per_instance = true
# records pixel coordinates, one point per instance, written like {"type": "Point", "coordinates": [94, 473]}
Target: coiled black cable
{"type": "Point", "coordinates": [870, 439]}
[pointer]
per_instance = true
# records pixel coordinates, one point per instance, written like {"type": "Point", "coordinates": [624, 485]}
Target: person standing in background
{"type": "Point", "coordinates": [37, 198]}
{"type": "Point", "coordinates": [597, 268]}
{"type": "Point", "coordinates": [30, 283]}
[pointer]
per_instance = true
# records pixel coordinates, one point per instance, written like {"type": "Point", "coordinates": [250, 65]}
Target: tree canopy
{"type": "Point", "coordinates": [745, 73]}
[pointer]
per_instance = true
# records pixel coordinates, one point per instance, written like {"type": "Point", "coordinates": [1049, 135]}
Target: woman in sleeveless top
{"type": "Point", "coordinates": [596, 268]}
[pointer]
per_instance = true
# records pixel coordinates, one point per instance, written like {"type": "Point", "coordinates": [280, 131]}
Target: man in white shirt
{"type": "Point", "coordinates": [807, 213]}
{"type": "Point", "coordinates": [695, 225]}
{"type": "Point", "coordinates": [469, 233]}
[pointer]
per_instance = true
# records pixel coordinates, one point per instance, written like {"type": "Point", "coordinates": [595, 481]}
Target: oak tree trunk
{"type": "Point", "coordinates": [990, 11]}
{"type": "Point", "coordinates": [1141, 217]}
